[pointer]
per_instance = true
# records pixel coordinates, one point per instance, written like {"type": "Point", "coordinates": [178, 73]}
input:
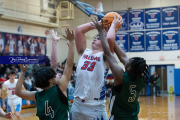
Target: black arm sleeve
{"type": "Point", "coordinates": [62, 97]}
{"type": "Point", "coordinates": [118, 88]}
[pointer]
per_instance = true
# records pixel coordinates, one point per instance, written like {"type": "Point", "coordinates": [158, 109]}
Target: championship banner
{"type": "Point", "coordinates": [136, 19]}
{"type": "Point", "coordinates": [153, 18]}
{"type": "Point", "coordinates": [124, 15]}
{"type": "Point", "coordinates": [153, 40]}
{"type": "Point", "coordinates": [136, 41]}
{"type": "Point", "coordinates": [170, 40]}
{"type": "Point", "coordinates": [170, 17]}
{"type": "Point", "coordinates": [122, 40]}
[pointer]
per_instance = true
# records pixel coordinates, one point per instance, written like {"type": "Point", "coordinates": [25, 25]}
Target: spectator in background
{"type": "Point", "coordinates": [29, 70]}
{"type": "Point", "coordinates": [47, 61]}
{"type": "Point", "coordinates": [25, 84]}
{"type": "Point", "coordinates": [74, 67]}
{"type": "Point", "coordinates": [3, 79]}
{"type": "Point", "coordinates": [153, 83]}
{"type": "Point", "coordinates": [73, 78]}
{"type": "Point", "coordinates": [107, 92]}
{"type": "Point", "coordinates": [143, 91]}
{"type": "Point", "coordinates": [2, 69]}
{"type": "Point", "coordinates": [28, 82]}
{"type": "Point", "coordinates": [70, 89]}
{"type": "Point", "coordinates": [158, 84]}
{"type": "Point", "coordinates": [7, 72]}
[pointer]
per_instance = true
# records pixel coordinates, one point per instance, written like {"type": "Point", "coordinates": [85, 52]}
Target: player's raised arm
{"type": "Point", "coordinates": [55, 39]}
{"type": "Point", "coordinates": [120, 53]}
{"type": "Point", "coordinates": [116, 70]}
{"type": "Point", "coordinates": [23, 93]}
{"type": "Point", "coordinates": [63, 82]}
{"type": "Point", "coordinates": [80, 37]}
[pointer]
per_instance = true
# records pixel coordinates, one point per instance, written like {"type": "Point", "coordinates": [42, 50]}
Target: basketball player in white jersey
{"type": "Point", "coordinates": [42, 47]}
{"type": "Point", "coordinates": [89, 101]}
{"type": "Point", "coordinates": [11, 45]}
{"type": "Point", "coordinates": [21, 46]}
{"type": "Point", "coordinates": [14, 102]}
{"type": "Point", "coordinates": [5, 115]}
{"type": "Point", "coordinates": [1, 44]}
{"type": "Point", "coordinates": [32, 43]}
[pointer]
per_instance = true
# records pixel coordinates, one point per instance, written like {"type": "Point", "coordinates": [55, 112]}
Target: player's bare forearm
{"type": "Point", "coordinates": [3, 96]}
{"type": "Point", "coordinates": [54, 55]}
{"type": "Point", "coordinates": [104, 43]}
{"type": "Point", "coordinates": [80, 37]}
{"type": "Point", "coordinates": [2, 113]}
{"type": "Point", "coordinates": [70, 61]}
{"type": "Point", "coordinates": [111, 34]}
{"type": "Point", "coordinates": [120, 53]}
{"type": "Point", "coordinates": [23, 93]}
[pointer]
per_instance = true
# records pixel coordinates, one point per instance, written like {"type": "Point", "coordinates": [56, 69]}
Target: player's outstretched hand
{"type": "Point", "coordinates": [8, 116]}
{"type": "Point", "coordinates": [98, 25]}
{"type": "Point", "coordinates": [69, 34]}
{"type": "Point", "coordinates": [117, 22]}
{"type": "Point", "coordinates": [54, 35]}
{"type": "Point", "coordinates": [23, 68]}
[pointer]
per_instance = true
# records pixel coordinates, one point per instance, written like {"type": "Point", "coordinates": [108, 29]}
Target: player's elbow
{"type": "Point", "coordinates": [17, 92]}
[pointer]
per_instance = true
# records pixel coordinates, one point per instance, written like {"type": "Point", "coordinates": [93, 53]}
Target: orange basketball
{"type": "Point", "coordinates": [109, 17]}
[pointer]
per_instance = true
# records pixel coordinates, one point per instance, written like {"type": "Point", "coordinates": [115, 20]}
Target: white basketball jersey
{"type": "Point", "coordinates": [20, 47]}
{"type": "Point", "coordinates": [11, 46]}
{"type": "Point", "coordinates": [32, 48]}
{"type": "Point", "coordinates": [10, 87]}
{"type": "Point", "coordinates": [1, 44]}
{"type": "Point", "coordinates": [42, 48]}
{"type": "Point", "coordinates": [91, 73]}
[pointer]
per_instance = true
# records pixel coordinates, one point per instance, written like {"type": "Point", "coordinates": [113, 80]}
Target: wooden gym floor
{"type": "Point", "coordinates": [152, 108]}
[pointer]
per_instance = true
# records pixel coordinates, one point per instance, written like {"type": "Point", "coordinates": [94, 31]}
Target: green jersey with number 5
{"type": "Point", "coordinates": [125, 104]}
{"type": "Point", "coordinates": [52, 104]}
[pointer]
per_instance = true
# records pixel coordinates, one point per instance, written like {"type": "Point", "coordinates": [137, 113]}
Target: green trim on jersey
{"type": "Point", "coordinates": [49, 105]}
{"type": "Point", "coordinates": [125, 104]}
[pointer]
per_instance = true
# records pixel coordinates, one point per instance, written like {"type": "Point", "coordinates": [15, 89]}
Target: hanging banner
{"type": "Point", "coordinates": [153, 40]}
{"type": "Point", "coordinates": [170, 40]}
{"type": "Point", "coordinates": [136, 19]}
{"type": "Point", "coordinates": [124, 15]}
{"type": "Point", "coordinates": [122, 40]}
{"type": "Point", "coordinates": [170, 17]}
{"type": "Point", "coordinates": [20, 49]}
{"type": "Point", "coordinates": [153, 18]}
{"type": "Point", "coordinates": [136, 41]}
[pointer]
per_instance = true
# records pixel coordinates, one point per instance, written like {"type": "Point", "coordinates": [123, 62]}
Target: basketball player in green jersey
{"type": "Point", "coordinates": [52, 102]}
{"type": "Point", "coordinates": [123, 103]}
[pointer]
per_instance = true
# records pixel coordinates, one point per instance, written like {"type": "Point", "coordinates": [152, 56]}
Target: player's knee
{"type": "Point", "coordinates": [18, 115]}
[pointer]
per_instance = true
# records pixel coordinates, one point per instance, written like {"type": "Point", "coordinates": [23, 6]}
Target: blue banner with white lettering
{"type": "Point", "coordinates": [124, 15]}
{"type": "Point", "coordinates": [136, 19]}
{"type": "Point", "coordinates": [22, 59]}
{"type": "Point", "coordinates": [169, 17]}
{"type": "Point", "coordinates": [122, 40]}
{"type": "Point", "coordinates": [170, 40]}
{"type": "Point", "coordinates": [153, 18]}
{"type": "Point", "coordinates": [136, 41]}
{"type": "Point", "coordinates": [153, 40]}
